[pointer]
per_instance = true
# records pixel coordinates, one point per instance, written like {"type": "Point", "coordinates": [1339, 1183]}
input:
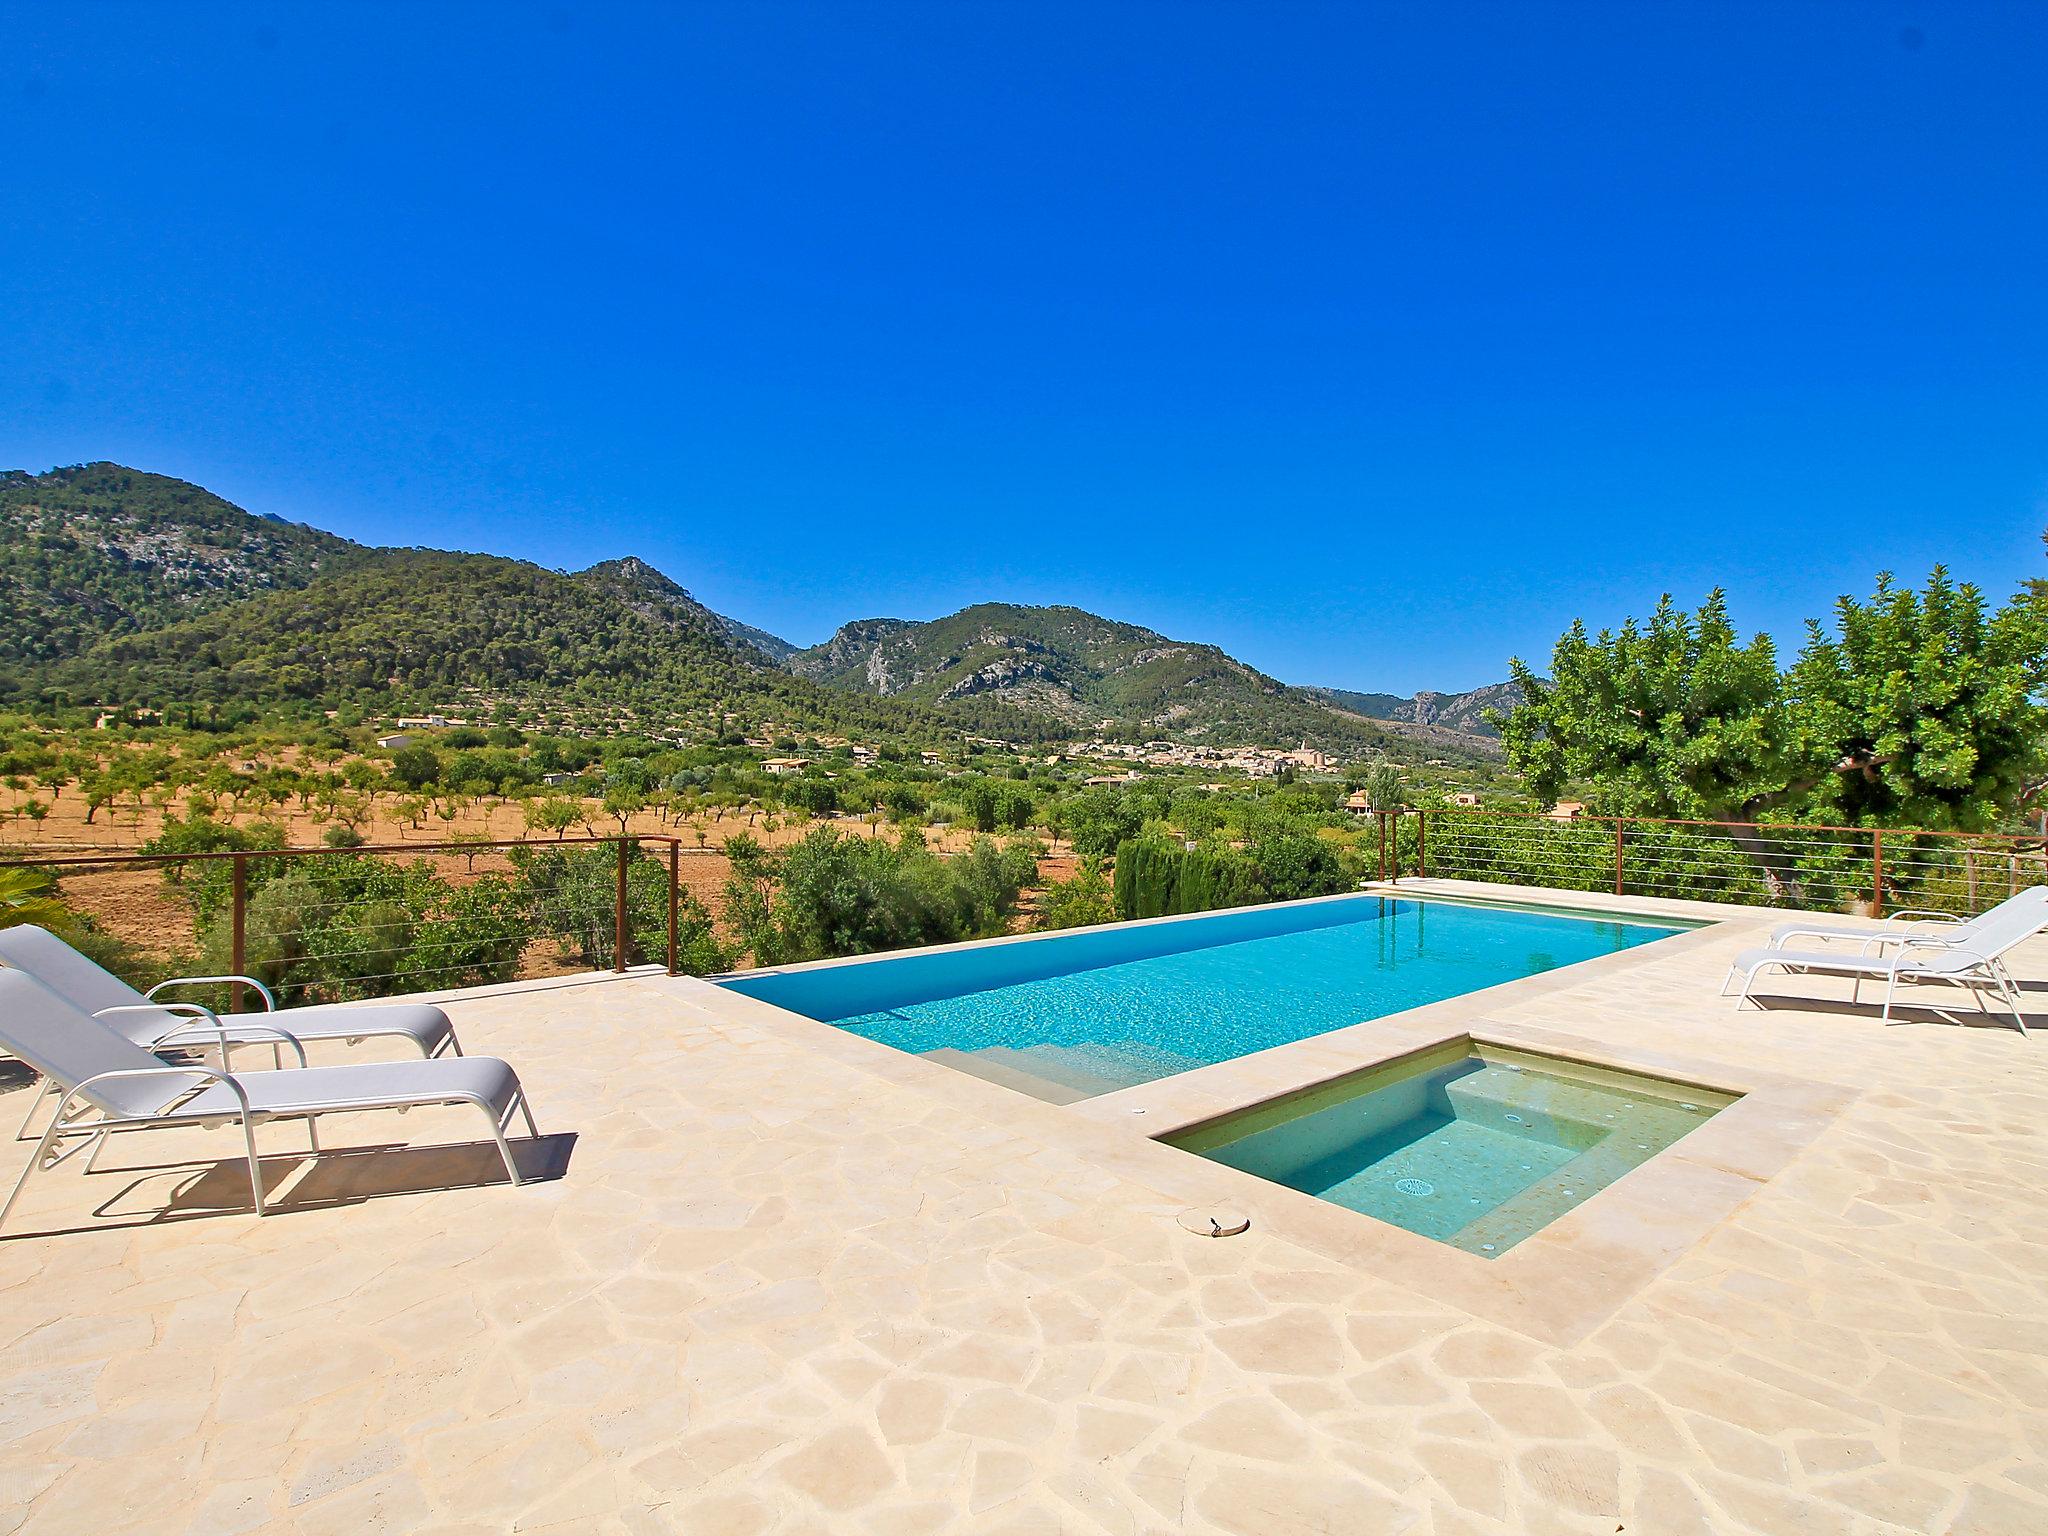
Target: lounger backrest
{"type": "Point", "coordinates": [2013, 920]}
{"type": "Point", "coordinates": [63, 969]}
{"type": "Point", "coordinates": [69, 1046]}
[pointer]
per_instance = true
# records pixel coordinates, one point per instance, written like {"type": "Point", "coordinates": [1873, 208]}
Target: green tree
{"type": "Point", "coordinates": [1920, 709]}
{"type": "Point", "coordinates": [1079, 901]}
{"type": "Point", "coordinates": [1383, 787]}
{"type": "Point", "coordinates": [416, 766]}
{"type": "Point", "coordinates": [554, 814]}
{"type": "Point", "coordinates": [1676, 717]}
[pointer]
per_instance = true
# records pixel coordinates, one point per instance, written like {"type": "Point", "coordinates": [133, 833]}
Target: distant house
{"type": "Point", "coordinates": [394, 742]}
{"type": "Point", "coordinates": [1566, 810]}
{"type": "Point", "coordinates": [782, 767]}
{"type": "Point", "coordinates": [864, 754]}
{"type": "Point", "coordinates": [1357, 801]}
{"type": "Point", "coordinates": [929, 759]}
{"type": "Point", "coordinates": [1465, 798]}
{"type": "Point", "coordinates": [428, 722]}
{"type": "Point", "coordinates": [550, 780]}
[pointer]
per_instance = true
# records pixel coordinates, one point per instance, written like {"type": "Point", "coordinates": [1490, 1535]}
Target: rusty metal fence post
{"type": "Point", "coordinates": [1877, 874]}
{"type": "Point", "coordinates": [675, 852]}
{"type": "Point", "coordinates": [1383, 844]}
{"type": "Point", "coordinates": [238, 928]}
{"type": "Point", "coordinates": [619, 934]}
{"type": "Point", "coordinates": [1421, 845]}
{"type": "Point", "coordinates": [1618, 823]}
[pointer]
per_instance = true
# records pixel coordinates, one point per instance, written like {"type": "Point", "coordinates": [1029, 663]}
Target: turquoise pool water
{"type": "Point", "coordinates": [1474, 1145]}
{"type": "Point", "coordinates": [1078, 1014]}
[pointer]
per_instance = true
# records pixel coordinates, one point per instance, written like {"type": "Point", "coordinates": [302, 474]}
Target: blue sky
{"type": "Point", "coordinates": [1371, 342]}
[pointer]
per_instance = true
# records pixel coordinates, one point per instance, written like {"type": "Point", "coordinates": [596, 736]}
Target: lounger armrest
{"type": "Point", "coordinates": [209, 1028]}
{"type": "Point", "coordinates": [1921, 915]}
{"type": "Point", "coordinates": [269, 999]}
{"type": "Point", "coordinates": [1931, 946]}
{"type": "Point", "coordinates": [201, 1075]}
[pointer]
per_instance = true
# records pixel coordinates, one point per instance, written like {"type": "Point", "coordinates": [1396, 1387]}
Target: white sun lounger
{"type": "Point", "coordinates": [108, 1083]}
{"type": "Point", "coordinates": [1976, 963]}
{"type": "Point", "coordinates": [1934, 927]}
{"type": "Point", "coordinates": [162, 1025]}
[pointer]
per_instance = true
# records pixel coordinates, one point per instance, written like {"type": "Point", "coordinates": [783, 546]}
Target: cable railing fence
{"type": "Point", "coordinates": [1864, 870]}
{"type": "Point", "coordinates": [334, 924]}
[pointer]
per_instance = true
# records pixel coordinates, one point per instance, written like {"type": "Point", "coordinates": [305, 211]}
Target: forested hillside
{"type": "Point", "coordinates": [120, 587]}
{"type": "Point", "coordinates": [412, 625]}
{"type": "Point", "coordinates": [100, 550]}
{"type": "Point", "coordinates": [1083, 671]}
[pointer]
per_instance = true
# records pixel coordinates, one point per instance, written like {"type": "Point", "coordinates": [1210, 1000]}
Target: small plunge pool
{"type": "Point", "coordinates": [1472, 1144]}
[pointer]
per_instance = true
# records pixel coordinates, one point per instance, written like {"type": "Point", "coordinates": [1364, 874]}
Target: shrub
{"type": "Point", "coordinates": [1079, 901]}
{"type": "Point", "coordinates": [830, 894]}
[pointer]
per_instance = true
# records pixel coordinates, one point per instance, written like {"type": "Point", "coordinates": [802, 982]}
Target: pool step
{"type": "Point", "coordinates": [1530, 1105]}
{"type": "Point", "coordinates": [1053, 1081]}
{"type": "Point", "coordinates": [1061, 1074]}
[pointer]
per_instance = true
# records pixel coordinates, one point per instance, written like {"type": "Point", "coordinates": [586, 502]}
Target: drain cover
{"type": "Point", "coordinates": [1415, 1186]}
{"type": "Point", "coordinates": [1215, 1221]}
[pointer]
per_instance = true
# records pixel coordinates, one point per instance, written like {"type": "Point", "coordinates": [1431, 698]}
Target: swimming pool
{"type": "Point", "coordinates": [1069, 1016]}
{"type": "Point", "coordinates": [1473, 1144]}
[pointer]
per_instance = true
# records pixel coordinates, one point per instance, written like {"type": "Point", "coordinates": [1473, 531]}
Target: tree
{"type": "Point", "coordinates": [1673, 718]}
{"type": "Point", "coordinates": [979, 799]}
{"type": "Point", "coordinates": [554, 814]}
{"type": "Point", "coordinates": [622, 804]}
{"type": "Point", "coordinates": [1078, 902]}
{"type": "Point", "coordinates": [1920, 709]}
{"type": "Point", "coordinates": [416, 766]}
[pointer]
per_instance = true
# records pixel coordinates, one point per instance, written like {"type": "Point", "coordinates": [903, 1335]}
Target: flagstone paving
{"type": "Point", "coordinates": [781, 1280]}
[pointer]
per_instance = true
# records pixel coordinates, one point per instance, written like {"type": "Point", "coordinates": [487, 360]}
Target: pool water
{"type": "Point", "coordinates": [1473, 1145]}
{"type": "Point", "coordinates": [1073, 1015]}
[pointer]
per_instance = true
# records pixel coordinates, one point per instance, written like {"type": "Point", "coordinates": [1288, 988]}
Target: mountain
{"type": "Point", "coordinates": [656, 594]}
{"type": "Point", "coordinates": [99, 550]}
{"type": "Point", "coordinates": [425, 625]}
{"type": "Point", "coordinates": [1463, 712]}
{"type": "Point", "coordinates": [118, 586]}
{"type": "Point", "coordinates": [1088, 674]}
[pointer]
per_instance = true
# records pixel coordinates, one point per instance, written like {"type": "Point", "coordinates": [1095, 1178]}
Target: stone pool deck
{"type": "Point", "coordinates": [783, 1279]}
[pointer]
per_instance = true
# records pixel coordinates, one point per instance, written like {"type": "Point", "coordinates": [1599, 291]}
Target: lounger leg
{"type": "Point", "coordinates": [99, 1145]}
{"type": "Point", "coordinates": [526, 1109]}
{"type": "Point", "coordinates": [504, 1147]}
{"type": "Point", "coordinates": [1891, 991]}
{"type": "Point", "coordinates": [255, 1165]}
{"type": "Point", "coordinates": [35, 1161]}
{"type": "Point", "coordinates": [2012, 1001]}
{"type": "Point", "coordinates": [1855, 991]}
{"type": "Point", "coordinates": [1748, 981]}
{"type": "Point", "coordinates": [313, 1133]}
{"type": "Point", "coordinates": [34, 1104]}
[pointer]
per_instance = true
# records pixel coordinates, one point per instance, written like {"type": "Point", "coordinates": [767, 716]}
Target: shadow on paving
{"type": "Point", "coordinates": [156, 1193]}
{"type": "Point", "coordinates": [1966, 1015]}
